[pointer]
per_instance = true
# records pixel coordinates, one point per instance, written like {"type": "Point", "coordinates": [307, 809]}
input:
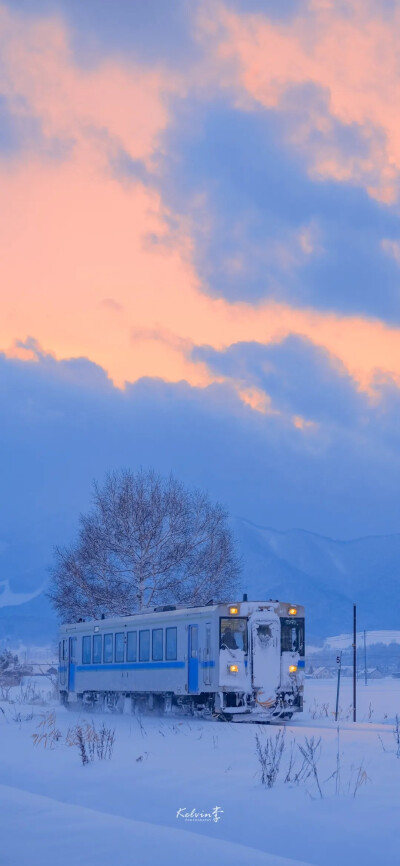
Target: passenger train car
{"type": "Point", "coordinates": [241, 662]}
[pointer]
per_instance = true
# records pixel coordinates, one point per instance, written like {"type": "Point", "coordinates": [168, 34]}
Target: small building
{"type": "Point", "coordinates": [322, 673]}
{"type": "Point", "coordinates": [347, 671]}
{"type": "Point", "coordinates": [52, 671]}
{"type": "Point", "coordinates": [372, 673]}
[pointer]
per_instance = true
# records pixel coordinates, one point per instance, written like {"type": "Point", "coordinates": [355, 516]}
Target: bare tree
{"type": "Point", "coordinates": [147, 540]}
{"type": "Point", "coordinates": [12, 670]}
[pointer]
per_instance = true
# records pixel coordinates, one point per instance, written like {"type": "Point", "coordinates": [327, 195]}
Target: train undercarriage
{"type": "Point", "coordinates": [224, 706]}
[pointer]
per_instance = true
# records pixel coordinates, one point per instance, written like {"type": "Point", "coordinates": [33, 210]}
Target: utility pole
{"type": "Point", "coordinates": [354, 663]}
{"type": "Point", "coordinates": [339, 664]}
{"type": "Point", "coordinates": [365, 660]}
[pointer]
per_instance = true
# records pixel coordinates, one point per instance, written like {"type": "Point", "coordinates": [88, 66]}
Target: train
{"type": "Point", "coordinates": [238, 661]}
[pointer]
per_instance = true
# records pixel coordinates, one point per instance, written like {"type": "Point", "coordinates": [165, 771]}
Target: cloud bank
{"type": "Point", "coordinates": [323, 457]}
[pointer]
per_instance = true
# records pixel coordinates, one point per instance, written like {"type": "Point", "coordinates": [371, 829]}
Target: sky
{"type": "Point", "coordinates": [199, 260]}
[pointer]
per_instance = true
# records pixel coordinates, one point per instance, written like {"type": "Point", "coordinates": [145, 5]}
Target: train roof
{"type": "Point", "coordinates": [244, 609]}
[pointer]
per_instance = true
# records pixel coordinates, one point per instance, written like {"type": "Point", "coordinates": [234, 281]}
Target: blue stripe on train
{"type": "Point", "coordinates": [130, 666]}
{"type": "Point", "coordinates": [135, 666]}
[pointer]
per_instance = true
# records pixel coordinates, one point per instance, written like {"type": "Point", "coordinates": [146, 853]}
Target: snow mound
{"type": "Point", "coordinates": [40, 830]}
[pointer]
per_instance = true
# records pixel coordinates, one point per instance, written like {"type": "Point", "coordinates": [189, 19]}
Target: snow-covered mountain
{"type": "Point", "coordinates": [8, 598]}
{"type": "Point", "coordinates": [325, 575]}
{"type": "Point", "coordinates": [31, 623]}
{"type": "Point", "coordinates": [383, 637]}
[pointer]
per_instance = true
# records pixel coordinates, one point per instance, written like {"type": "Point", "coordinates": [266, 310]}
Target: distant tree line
{"type": "Point", "coordinates": [12, 670]}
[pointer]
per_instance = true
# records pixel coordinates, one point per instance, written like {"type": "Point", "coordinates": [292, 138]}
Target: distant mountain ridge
{"type": "Point", "coordinates": [30, 623]}
{"type": "Point", "coordinates": [8, 598]}
{"type": "Point", "coordinates": [325, 575]}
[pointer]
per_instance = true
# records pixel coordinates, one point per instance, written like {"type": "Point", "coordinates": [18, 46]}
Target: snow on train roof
{"type": "Point", "coordinates": [167, 610]}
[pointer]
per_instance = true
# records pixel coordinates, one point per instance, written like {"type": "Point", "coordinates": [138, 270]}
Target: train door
{"type": "Point", "coordinates": [72, 663]}
{"type": "Point", "coordinates": [63, 661]}
{"type": "Point", "coordinates": [193, 659]}
{"type": "Point", "coordinates": [207, 657]}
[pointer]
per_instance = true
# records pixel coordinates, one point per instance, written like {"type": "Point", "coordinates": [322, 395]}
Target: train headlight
{"type": "Point", "coordinates": [292, 669]}
{"type": "Point", "coordinates": [233, 669]}
{"type": "Point", "coordinates": [233, 609]}
{"type": "Point", "coordinates": [292, 611]}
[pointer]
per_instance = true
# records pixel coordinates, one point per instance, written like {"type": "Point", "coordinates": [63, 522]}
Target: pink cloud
{"type": "Point", "coordinates": [111, 304]}
{"type": "Point", "coordinates": [111, 104]}
{"type": "Point", "coordinates": [351, 53]}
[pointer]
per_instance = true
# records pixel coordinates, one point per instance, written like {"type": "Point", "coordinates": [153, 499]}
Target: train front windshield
{"type": "Point", "coordinates": [292, 635]}
{"type": "Point", "coordinates": [233, 633]}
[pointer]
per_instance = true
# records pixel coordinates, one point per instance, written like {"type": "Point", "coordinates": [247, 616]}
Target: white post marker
{"type": "Point", "coordinates": [339, 664]}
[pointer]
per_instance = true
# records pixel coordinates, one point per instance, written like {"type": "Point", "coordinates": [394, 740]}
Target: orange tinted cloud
{"type": "Point", "coordinates": [351, 53]}
{"type": "Point", "coordinates": [89, 263]}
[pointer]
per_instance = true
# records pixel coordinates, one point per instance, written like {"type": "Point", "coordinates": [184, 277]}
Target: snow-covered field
{"type": "Point", "coordinates": [124, 810]}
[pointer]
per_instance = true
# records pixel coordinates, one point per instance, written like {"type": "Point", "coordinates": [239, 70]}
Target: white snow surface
{"type": "Point", "coordinates": [124, 810]}
{"type": "Point", "coordinates": [45, 830]}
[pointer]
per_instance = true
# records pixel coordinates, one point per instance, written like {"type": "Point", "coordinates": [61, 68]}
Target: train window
{"type": "Point", "coordinates": [108, 648]}
{"type": "Point", "coordinates": [59, 653]}
{"type": "Point", "coordinates": [86, 650]}
{"type": "Point", "coordinates": [292, 635]}
{"type": "Point", "coordinates": [119, 647]}
{"type": "Point", "coordinates": [131, 647]}
{"type": "Point", "coordinates": [65, 650]}
{"type": "Point", "coordinates": [157, 644]}
{"type": "Point", "coordinates": [193, 641]}
{"type": "Point", "coordinates": [170, 644]}
{"type": "Point", "coordinates": [97, 649]}
{"type": "Point", "coordinates": [144, 645]}
{"type": "Point", "coordinates": [234, 633]}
